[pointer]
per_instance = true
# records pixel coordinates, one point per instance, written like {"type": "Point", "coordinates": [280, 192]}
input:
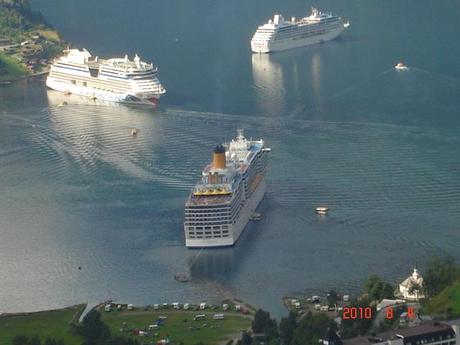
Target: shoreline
{"type": "Point", "coordinates": [220, 322]}
{"type": "Point", "coordinates": [24, 77]}
{"type": "Point", "coordinates": [31, 313]}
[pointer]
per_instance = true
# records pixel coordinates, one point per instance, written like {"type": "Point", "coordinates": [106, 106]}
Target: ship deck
{"type": "Point", "coordinates": [212, 200]}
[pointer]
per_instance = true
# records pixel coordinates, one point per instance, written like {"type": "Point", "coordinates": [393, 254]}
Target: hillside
{"type": "Point", "coordinates": [16, 17]}
{"type": "Point", "coordinates": [27, 41]}
{"type": "Point", "coordinates": [447, 303]}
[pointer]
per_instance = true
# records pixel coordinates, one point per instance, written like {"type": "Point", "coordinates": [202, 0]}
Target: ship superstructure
{"type": "Point", "coordinates": [116, 80]}
{"type": "Point", "coordinates": [280, 34]}
{"type": "Point", "coordinates": [231, 187]}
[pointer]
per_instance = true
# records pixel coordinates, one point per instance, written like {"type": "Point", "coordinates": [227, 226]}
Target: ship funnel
{"type": "Point", "coordinates": [219, 160]}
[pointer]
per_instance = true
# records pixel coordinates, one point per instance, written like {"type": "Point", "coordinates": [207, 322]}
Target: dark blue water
{"type": "Point", "coordinates": [379, 147]}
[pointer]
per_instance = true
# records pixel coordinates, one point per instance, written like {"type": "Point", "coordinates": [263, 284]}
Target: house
{"type": "Point", "coordinates": [384, 303]}
{"type": "Point", "coordinates": [433, 333]}
{"type": "Point", "coordinates": [412, 288]}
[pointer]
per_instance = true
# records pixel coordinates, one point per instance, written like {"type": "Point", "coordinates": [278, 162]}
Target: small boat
{"type": "Point", "coordinates": [346, 25]}
{"type": "Point", "coordinates": [400, 66]}
{"type": "Point", "coordinates": [133, 132]}
{"type": "Point", "coordinates": [182, 277]}
{"type": "Point", "coordinates": [62, 104]}
{"type": "Point", "coordinates": [256, 216]}
{"type": "Point", "coordinates": [322, 210]}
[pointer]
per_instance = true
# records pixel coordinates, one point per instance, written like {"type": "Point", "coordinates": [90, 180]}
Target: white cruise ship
{"type": "Point", "coordinates": [115, 80]}
{"type": "Point", "coordinates": [279, 34]}
{"type": "Point", "coordinates": [231, 188]}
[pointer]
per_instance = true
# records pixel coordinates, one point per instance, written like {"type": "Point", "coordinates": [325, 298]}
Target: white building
{"type": "Point", "coordinates": [424, 334]}
{"type": "Point", "coordinates": [411, 288]}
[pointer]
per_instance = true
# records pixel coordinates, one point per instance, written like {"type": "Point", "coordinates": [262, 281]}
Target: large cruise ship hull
{"type": "Point", "coordinates": [236, 229]}
{"type": "Point", "coordinates": [54, 84]}
{"type": "Point", "coordinates": [290, 43]}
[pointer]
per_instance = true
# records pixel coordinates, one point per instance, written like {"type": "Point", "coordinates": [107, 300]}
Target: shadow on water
{"type": "Point", "coordinates": [222, 264]}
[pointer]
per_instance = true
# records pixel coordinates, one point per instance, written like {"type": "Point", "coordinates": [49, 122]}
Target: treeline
{"type": "Point", "coordinates": [35, 340]}
{"type": "Point", "coordinates": [442, 286]}
{"type": "Point", "coordinates": [95, 332]}
{"type": "Point", "coordinates": [441, 272]}
{"type": "Point", "coordinates": [92, 329]}
{"type": "Point", "coordinates": [307, 330]}
{"type": "Point", "coordinates": [16, 16]}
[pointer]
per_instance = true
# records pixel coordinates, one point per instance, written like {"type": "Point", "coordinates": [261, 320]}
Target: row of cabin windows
{"type": "Point", "coordinates": [432, 341]}
{"type": "Point", "coordinates": [85, 84]}
{"type": "Point", "coordinates": [197, 224]}
{"type": "Point", "coordinates": [208, 214]}
{"type": "Point", "coordinates": [205, 218]}
{"type": "Point", "coordinates": [193, 210]}
{"type": "Point", "coordinates": [207, 227]}
{"type": "Point", "coordinates": [303, 35]}
{"type": "Point", "coordinates": [209, 234]}
{"type": "Point", "coordinates": [217, 232]}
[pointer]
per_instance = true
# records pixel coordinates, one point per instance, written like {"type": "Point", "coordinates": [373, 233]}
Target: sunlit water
{"type": "Point", "coordinates": [378, 146]}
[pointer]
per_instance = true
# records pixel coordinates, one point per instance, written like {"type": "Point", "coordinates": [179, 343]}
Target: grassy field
{"type": "Point", "coordinates": [10, 68]}
{"type": "Point", "coordinates": [179, 325]}
{"type": "Point", "coordinates": [447, 302]}
{"type": "Point", "coordinates": [50, 35]}
{"type": "Point", "coordinates": [54, 324]}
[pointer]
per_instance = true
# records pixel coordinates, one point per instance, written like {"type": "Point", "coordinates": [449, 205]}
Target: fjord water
{"type": "Point", "coordinates": [89, 213]}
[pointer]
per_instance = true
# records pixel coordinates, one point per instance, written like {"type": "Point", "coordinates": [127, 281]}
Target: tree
{"type": "Point", "coordinates": [355, 327]}
{"type": "Point", "coordinates": [287, 328]}
{"type": "Point", "coordinates": [332, 298]}
{"type": "Point", "coordinates": [51, 341]}
{"type": "Point", "coordinates": [246, 339]}
{"type": "Point", "coordinates": [388, 291]}
{"type": "Point", "coordinates": [440, 273]}
{"type": "Point", "coordinates": [263, 323]}
{"type": "Point", "coordinates": [310, 329]}
{"type": "Point", "coordinates": [122, 341]}
{"type": "Point", "coordinates": [93, 330]}
{"type": "Point", "coordinates": [35, 340]}
{"type": "Point", "coordinates": [377, 289]}
{"type": "Point", "coordinates": [20, 340]}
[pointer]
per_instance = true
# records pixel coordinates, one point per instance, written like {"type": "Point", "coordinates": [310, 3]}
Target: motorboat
{"type": "Point", "coordinates": [401, 66]}
{"type": "Point", "coordinates": [322, 210]}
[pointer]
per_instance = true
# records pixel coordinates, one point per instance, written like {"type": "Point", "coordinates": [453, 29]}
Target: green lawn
{"type": "Point", "coordinates": [178, 324]}
{"type": "Point", "coordinates": [447, 302]}
{"type": "Point", "coordinates": [10, 68]}
{"type": "Point", "coordinates": [50, 34]}
{"type": "Point", "coordinates": [54, 324]}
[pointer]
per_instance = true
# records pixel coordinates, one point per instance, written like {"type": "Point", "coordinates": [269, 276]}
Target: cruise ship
{"type": "Point", "coordinates": [223, 201]}
{"type": "Point", "coordinates": [279, 34]}
{"type": "Point", "coordinates": [116, 80]}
